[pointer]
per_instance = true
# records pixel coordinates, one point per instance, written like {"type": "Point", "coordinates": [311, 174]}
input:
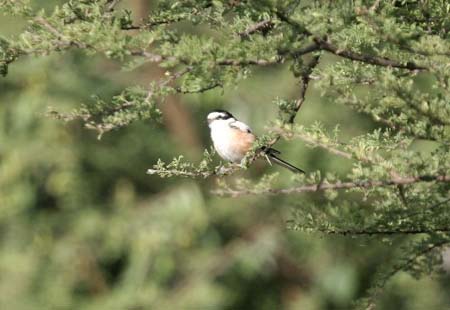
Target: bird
{"type": "Point", "coordinates": [232, 139]}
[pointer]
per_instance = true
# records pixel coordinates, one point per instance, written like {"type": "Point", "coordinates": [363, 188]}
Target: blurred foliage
{"type": "Point", "coordinates": [84, 227]}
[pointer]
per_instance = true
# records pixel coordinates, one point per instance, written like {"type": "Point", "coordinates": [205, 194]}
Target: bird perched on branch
{"type": "Point", "coordinates": [232, 140]}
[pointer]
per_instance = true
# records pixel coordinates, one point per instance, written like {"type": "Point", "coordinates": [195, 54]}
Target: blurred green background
{"type": "Point", "coordinates": [83, 227]}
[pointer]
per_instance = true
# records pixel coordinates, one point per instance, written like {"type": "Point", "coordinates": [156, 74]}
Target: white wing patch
{"type": "Point", "coordinates": [241, 126]}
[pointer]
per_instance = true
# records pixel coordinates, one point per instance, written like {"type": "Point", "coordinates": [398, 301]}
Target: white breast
{"type": "Point", "coordinates": [221, 135]}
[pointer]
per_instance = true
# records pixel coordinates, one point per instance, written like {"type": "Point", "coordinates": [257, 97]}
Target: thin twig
{"type": "Point", "coordinates": [164, 82]}
{"type": "Point", "coordinates": [305, 76]}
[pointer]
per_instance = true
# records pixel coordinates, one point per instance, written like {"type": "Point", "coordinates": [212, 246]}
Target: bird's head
{"type": "Point", "coordinates": [218, 115]}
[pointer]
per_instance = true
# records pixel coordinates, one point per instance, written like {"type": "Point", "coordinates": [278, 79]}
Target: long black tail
{"type": "Point", "coordinates": [283, 163]}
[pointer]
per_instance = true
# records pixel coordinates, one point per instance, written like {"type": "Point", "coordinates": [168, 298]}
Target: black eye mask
{"type": "Point", "coordinates": [224, 117]}
{"type": "Point", "coordinates": [224, 114]}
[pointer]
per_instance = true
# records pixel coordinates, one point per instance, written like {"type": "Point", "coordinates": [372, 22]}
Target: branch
{"type": "Point", "coordinates": [317, 143]}
{"type": "Point", "coordinates": [110, 5]}
{"type": "Point", "coordinates": [399, 267]}
{"type": "Point", "coordinates": [181, 173]}
{"type": "Point", "coordinates": [331, 145]}
{"type": "Point", "coordinates": [280, 57]}
{"type": "Point", "coordinates": [336, 186]}
{"type": "Point", "coordinates": [62, 42]}
{"type": "Point", "coordinates": [262, 25]}
{"type": "Point", "coordinates": [164, 82]}
{"type": "Point", "coordinates": [432, 207]}
{"type": "Point", "coordinates": [258, 62]}
{"type": "Point", "coordinates": [305, 50]}
{"type": "Point", "coordinates": [299, 27]}
{"type": "Point", "coordinates": [152, 57]}
{"type": "Point", "coordinates": [60, 36]}
{"type": "Point", "coordinates": [370, 59]}
{"type": "Point", "coordinates": [329, 47]}
{"type": "Point", "coordinates": [411, 231]}
{"type": "Point", "coordinates": [201, 90]}
{"type": "Point", "coordinates": [217, 171]}
{"type": "Point", "coordinates": [150, 24]}
{"type": "Point", "coordinates": [425, 251]}
{"type": "Point", "coordinates": [374, 6]}
{"type": "Point", "coordinates": [305, 77]}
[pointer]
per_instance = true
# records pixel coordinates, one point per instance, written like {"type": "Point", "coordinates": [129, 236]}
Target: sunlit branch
{"type": "Point", "coordinates": [217, 171]}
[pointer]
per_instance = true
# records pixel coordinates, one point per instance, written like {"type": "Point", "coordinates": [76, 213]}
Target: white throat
{"type": "Point", "coordinates": [222, 135]}
{"type": "Point", "coordinates": [220, 130]}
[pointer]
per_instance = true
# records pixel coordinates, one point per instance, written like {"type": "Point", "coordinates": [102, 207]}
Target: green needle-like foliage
{"type": "Point", "coordinates": [387, 61]}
